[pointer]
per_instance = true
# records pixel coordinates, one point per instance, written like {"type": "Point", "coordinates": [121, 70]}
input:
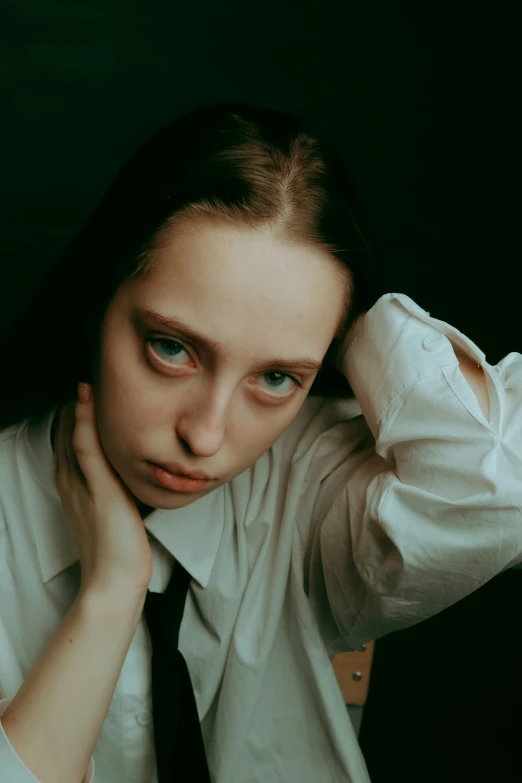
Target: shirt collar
{"type": "Point", "coordinates": [191, 534]}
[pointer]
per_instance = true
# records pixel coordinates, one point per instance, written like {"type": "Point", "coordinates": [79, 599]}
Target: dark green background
{"type": "Point", "coordinates": [423, 100]}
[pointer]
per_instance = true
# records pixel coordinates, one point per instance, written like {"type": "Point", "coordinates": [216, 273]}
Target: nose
{"type": "Point", "coordinates": [202, 426]}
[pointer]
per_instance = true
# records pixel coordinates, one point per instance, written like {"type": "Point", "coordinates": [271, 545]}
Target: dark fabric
{"type": "Point", "coordinates": [178, 742]}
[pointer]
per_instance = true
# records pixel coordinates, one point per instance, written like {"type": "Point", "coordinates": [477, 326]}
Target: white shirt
{"type": "Point", "coordinates": [350, 526]}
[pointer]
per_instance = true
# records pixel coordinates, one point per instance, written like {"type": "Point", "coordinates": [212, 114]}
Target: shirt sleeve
{"type": "Point", "coordinates": [12, 768]}
{"type": "Point", "coordinates": [430, 507]}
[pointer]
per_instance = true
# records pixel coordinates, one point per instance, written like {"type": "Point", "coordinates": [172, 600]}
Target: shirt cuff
{"type": "Point", "coordinates": [397, 344]}
{"type": "Point", "coordinates": [91, 779]}
{"type": "Point", "coordinates": [12, 768]}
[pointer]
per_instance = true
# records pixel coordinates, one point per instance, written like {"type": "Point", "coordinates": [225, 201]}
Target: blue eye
{"type": "Point", "coordinates": [170, 345]}
{"type": "Point", "coordinates": [282, 377]}
{"type": "Point", "coordinates": [172, 348]}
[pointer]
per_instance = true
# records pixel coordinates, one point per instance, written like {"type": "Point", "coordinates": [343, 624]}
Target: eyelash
{"type": "Point", "coordinates": [152, 340]}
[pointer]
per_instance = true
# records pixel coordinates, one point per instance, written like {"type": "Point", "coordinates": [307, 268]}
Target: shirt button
{"type": "Point", "coordinates": [144, 718]}
{"type": "Point", "coordinates": [432, 343]}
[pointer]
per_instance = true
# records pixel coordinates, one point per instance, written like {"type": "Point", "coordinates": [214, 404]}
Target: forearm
{"type": "Point", "coordinates": [54, 720]}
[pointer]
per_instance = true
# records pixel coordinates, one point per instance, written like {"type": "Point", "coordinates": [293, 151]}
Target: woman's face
{"type": "Point", "coordinates": [162, 396]}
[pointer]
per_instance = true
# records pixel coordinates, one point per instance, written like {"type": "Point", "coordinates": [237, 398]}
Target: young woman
{"type": "Point", "coordinates": [361, 464]}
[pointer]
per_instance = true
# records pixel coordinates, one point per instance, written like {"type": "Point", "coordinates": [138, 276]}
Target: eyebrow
{"type": "Point", "coordinates": [171, 322]}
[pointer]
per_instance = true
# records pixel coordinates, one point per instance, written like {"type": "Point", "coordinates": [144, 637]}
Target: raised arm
{"type": "Point", "coordinates": [428, 507]}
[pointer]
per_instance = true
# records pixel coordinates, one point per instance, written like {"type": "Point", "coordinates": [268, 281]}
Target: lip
{"type": "Point", "coordinates": [178, 470]}
{"type": "Point", "coordinates": [176, 482]}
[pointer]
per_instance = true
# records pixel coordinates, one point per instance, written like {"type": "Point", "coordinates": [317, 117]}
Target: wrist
{"type": "Point", "coordinates": [114, 600]}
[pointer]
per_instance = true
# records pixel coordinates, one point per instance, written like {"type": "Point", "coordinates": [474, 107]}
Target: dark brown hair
{"type": "Point", "coordinates": [232, 161]}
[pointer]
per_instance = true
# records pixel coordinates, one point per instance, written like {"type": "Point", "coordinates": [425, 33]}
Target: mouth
{"type": "Point", "coordinates": [177, 482]}
{"type": "Point", "coordinates": [178, 470]}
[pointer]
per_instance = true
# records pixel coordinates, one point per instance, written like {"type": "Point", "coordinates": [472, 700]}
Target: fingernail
{"type": "Point", "coordinates": [84, 392]}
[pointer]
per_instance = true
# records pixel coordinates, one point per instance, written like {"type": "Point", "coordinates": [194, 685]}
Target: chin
{"type": "Point", "coordinates": [165, 500]}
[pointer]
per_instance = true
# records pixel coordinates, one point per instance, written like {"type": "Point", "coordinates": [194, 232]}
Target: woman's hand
{"type": "Point", "coordinates": [103, 518]}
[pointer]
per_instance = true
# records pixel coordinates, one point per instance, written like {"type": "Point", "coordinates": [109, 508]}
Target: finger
{"type": "Point", "coordinates": [69, 428]}
{"type": "Point", "coordinates": [58, 459]}
{"type": "Point", "coordinates": [60, 452]}
{"type": "Point", "coordinates": [88, 448]}
{"type": "Point", "coordinates": [66, 462]}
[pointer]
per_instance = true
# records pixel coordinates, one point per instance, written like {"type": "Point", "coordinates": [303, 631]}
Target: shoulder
{"type": "Point", "coordinates": [8, 440]}
{"type": "Point", "coordinates": [8, 469]}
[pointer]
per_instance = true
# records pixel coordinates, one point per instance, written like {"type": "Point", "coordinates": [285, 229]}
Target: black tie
{"type": "Point", "coordinates": [180, 753]}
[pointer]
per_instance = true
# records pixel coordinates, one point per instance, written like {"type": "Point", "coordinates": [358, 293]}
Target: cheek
{"type": "Point", "coordinates": [129, 387]}
{"type": "Point", "coordinates": [123, 373]}
{"type": "Point", "coordinates": [120, 391]}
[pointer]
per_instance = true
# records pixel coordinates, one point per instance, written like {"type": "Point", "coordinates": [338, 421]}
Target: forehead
{"type": "Point", "coordinates": [225, 260]}
{"type": "Point", "coordinates": [243, 282]}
